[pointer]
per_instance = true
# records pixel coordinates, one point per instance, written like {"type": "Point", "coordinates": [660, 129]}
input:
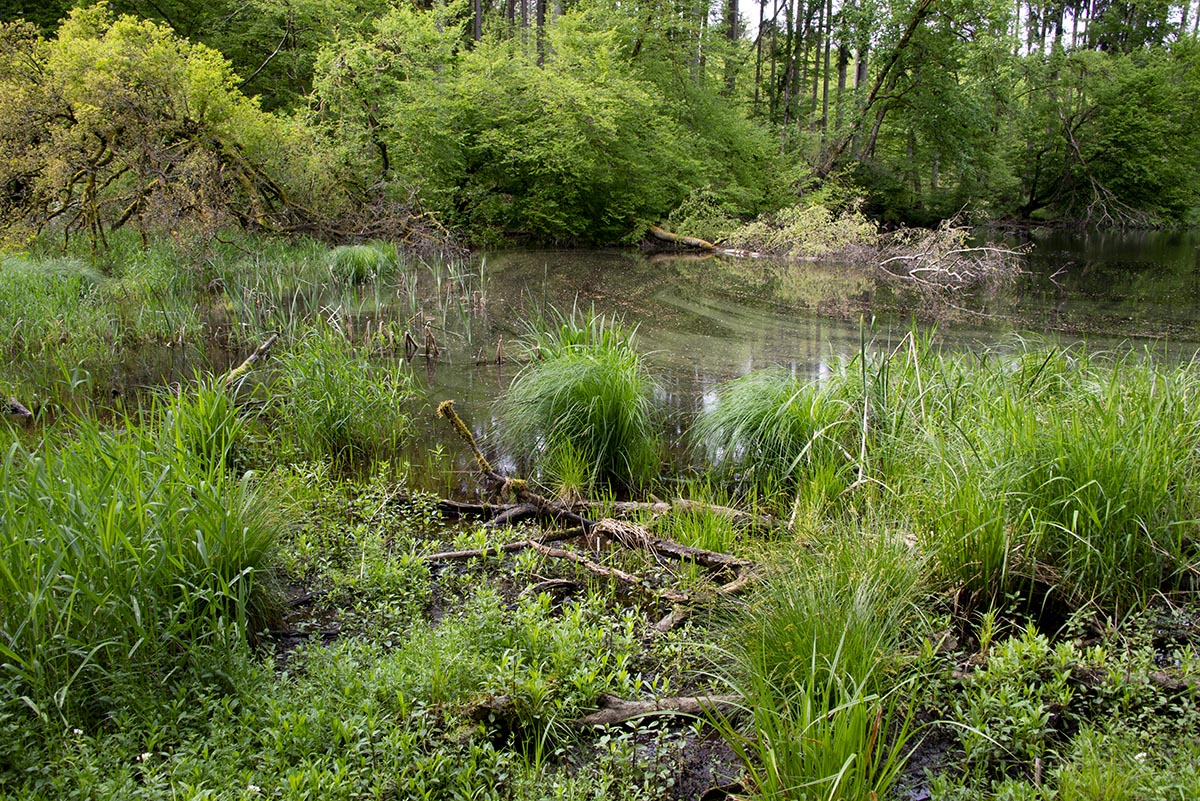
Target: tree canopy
{"type": "Point", "coordinates": [586, 120]}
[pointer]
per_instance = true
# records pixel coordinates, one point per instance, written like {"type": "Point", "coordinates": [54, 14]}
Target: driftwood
{"type": "Point", "coordinates": [737, 517]}
{"type": "Point", "coordinates": [259, 353]}
{"type": "Point", "coordinates": [614, 711]}
{"type": "Point", "coordinates": [497, 512]}
{"type": "Point", "coordinates": [621, 576]}
{"type": "Point", "coordinates": [623, 533]}
{"type": "Point", "coordinates": [699, 244]}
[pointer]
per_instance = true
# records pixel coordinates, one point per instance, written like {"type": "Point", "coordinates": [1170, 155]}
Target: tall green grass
{"type": "Point", "coordinates": [771, 431]}
{"type": "Point", "coordinates": [810, 657]}
{"type": "Point", "coordinates": [357, 264]}
{"type": "Point", "coordinates": [586, 410]}
{"type": "Point", "coordinates": [1028, 463]}
{"type": "Point", "coordinates": [335, 402]}
{"type": "Point", "coordinates": [127, 559]}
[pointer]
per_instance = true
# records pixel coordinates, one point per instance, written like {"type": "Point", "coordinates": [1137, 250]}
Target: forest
{"type": "Point", "coordinates": [584, 122]}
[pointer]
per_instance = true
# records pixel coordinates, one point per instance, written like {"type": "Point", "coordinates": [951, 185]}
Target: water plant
{"type": "Point", "coordinates": [768, 429]}
{"type": "Point", "coordinates": [588, 404]}
{"type": "Point", "coordinates": [336, 402]}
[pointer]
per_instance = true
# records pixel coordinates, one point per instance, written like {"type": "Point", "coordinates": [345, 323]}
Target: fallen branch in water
{"type": "Point", "coordinates": [942, 260]}
{"type": "Point", "coordinates": [259, 353]}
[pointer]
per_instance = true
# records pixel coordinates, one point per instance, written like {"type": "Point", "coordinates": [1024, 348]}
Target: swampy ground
{"type": "Point", "coordinates": [971, 572]}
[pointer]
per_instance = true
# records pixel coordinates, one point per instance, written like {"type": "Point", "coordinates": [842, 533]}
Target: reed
{"type": "Point", "coordinates": [1047, 463]}
{"type": "Point", "coordinates": [358, 264]}
{"type": "Point", "coordinates": [809, 657]}
{"type": "Point", "coordinates": [334, 402]}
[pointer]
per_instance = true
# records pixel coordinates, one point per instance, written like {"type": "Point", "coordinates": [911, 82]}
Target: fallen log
{"type": "Point", "coordinates": [614, 711]}
{"type": "Point", "coordinates": [687, 241]}
{"type": "Point", "coordinates": [699, 244]}
{"type": "Point", "coordinates": [510, 547]}
{"type": "Point", "coordinates": [251, 360]}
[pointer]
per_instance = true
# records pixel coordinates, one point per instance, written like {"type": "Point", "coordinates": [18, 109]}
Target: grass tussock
{"type": "Point", "coordinates": [336, 402]}
{"type": "Point", "coordinates": [356, 264]}
{"type": "Point", "coordinates": [585, 411]}
{"type": "Point", "coordinates": [769, 430]}
{"type": "Point", "coordinates": [810, 658]}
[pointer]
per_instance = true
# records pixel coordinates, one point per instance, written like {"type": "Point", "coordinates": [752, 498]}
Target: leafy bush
{"type": "Point", "coordinates": [805, 231]}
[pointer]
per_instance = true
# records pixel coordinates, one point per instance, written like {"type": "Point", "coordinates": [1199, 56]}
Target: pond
{"type": "Point", "coordinates": [705, 320]}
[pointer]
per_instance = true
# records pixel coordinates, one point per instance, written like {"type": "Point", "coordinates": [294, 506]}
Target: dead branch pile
{"type": "Point", "coordinates": [729, 573]}
{"type": "Point", "coordinates": [944, 260]}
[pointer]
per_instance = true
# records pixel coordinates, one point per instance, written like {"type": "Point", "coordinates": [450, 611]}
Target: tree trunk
{"type": "Point", "coordinates": [732, 34]}
{"type": "Point", "coordinates": [920, 12]}
{"type": "Point", "coordinates": [541, 32]}
{"type": "Point", "coordinates": [758, 52]}
{"type": "Point", "coordinates": [825, 74]}
{"type": "Point", "coordinates": [843, 63]}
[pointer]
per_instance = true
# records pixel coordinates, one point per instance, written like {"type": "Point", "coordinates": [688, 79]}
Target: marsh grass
{"type": "Point", "coordinates": [770, 431]}
{"type": "Point", "coordinates": [128, 554]}
{"type": "Point", "coordinates": [335, 402]}
{"type": "Point", "coordinates": [357, 264]}
{"type": "Point", "coordinates": [588, 405]}
{"type": "Point", "coordinates": [1036, 463]}
{"type": "Point", "coordinates": [810, 659]}
{"type": "Point", "coordinates": [1023, 478]}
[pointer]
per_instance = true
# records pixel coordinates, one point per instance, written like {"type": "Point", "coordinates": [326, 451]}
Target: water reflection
{"type": "Point", "coordinates": [704, 321]}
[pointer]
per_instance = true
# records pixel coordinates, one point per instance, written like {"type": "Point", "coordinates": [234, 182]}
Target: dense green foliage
{"type": "Point", "coordinates": [1050, 466]}
{"type": "Point", "coordinates": [587, 122]}
{"type": "Point", "coordinates": [212, 591]}
{"type": "Point", "coordinates": [129, 556]}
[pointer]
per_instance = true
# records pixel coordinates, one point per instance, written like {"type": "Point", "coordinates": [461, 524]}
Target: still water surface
{"type": "Point", "coordinates": [704, 321]}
